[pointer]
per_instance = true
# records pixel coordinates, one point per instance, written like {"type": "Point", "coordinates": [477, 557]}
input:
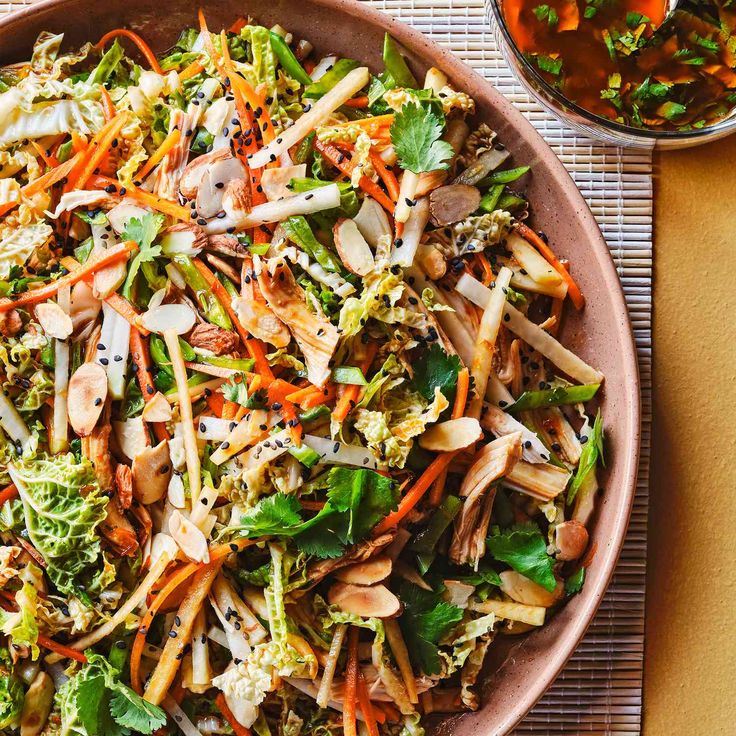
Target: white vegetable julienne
{"type": "Point", "coordinates": [534, 335]}
{"type": "Point", "coordinates": [331, 451]}
{"type": "Point", "coordinates": [243, 434]}
{"type": "Point", "coordinates": [532, 615]}
{"type": "Point", "coordinates": [372, 221]}
{"type": "Point", "coordinates": [214, 429]}
{"type": "Point", "coordinates": [321, 109]}
{"type": "Point", "coordinates": [538, 268]}
{"type": "Point", "coordinates": [316, 200]}
{"type": "Point", "coordinates": [325, 686]}
{"type": "Point", "coordinates": [180, 717]}
{"type": "Point", "coordinates": [115, 358]}
{"type": "Point", "coordinates": [58, 441]}
{"type": "Point", "coordinates": [12, 422]}
{"type": "Point", "coordinates": [407, 196]}
{"type": "Point", "coordinates": [403, 254]}
{"type": "Point", "coordinates": [185, 409]}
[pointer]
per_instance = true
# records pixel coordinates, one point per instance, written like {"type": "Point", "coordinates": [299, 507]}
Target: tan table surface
{"type": "Point", "coordinates": [691, 584]}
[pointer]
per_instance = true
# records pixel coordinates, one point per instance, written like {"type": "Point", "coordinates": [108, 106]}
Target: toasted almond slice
{"type": "Point", "coordinates": [571, 538]}
{"type": "Point", "coordinates": [372, 221]}
{"type": "Point", "coordinates": [368, 601]}
{"type": "Point", "coordinates": [196, 170]}
{"type": "Point", "coordinates": [454, 434]}
{"type": "Point", "coordinates": [86, 397]}
{"type": "Point", "coordinates": [151, 473]}
{"type": "Point", "coordinates": [132, 436]}
{"type": "Point", "coordinates": [189, 537]}
{"type": "Point", "coordinates": [157, 409]}
{"type": "Point", "coordinates": [366, 573]}
{"type": "Point", "coordinates": [184, 238]}
{"type": "Point", "coordinates": [54, 321]}
{"type": "Point", "coordinates": [37, 705]}
{"type": "Point", "coordinates": [275, 182]}
{"type": "Point", "coordinates": [178, 318]}
{"type": "Point", "coordinates": [121, 214]}
{"type": "Point", "coordinates": [163, 544]}
{"type": "Point", "coordinates": [353, 248]}
{"type": "Point", "coordinates": [526, 591]}
{"type": "Point", "coordinates": [452, 203]}
{"type": "Point", "coordinates": [212, 186]}
{"type": "Point", "coordinates": [457, 593]}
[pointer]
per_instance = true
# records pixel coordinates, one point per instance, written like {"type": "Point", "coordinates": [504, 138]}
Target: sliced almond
{"type": "Point", "coordinates": [54, 321]}
{"type": "Point", "coordinates": [571, 538]}
{"type": "Point", "coordinates": [184, 238]}
{"type": "Point", "coordinates": [132, 436]}
{"type": "Point", "coordinates": [178, 318]}
{"type": "Point", "coordinates": [260, 321]}
{"type": "Point", "coordinates": [157, 409]}
{"type": "Point", "coordinates": [176, 494]}
{"type": "Point", "coordinates": [275, 182]}
{"type": "Point", "coordinates": [163, 544]}
{"type": "Point", "coordinates": [526, 591]}
{"type": "Point", "coordinates": [107, 280]}
{"type": "Point", "coordinates": [212, 186]}
{"type": "Point", "coordinates": [37, 705]}
{"type": "Point", "coordinates": [86, 397]}
{"type": "Point", "coordinates": [151, 473]}
{"type": "Point", "coordinates": [353, 248]}
{"type": "Point", "coordinates": [373, 222]}
{"type": "Point", "coordinates": [189, 537]}
{"type": "Point", "coordinates": [454, 434]}
{"type": "Point", "coordinates": [121, 214]}
{"type": "Point", "coordinates": [196, 170]}
{"type": "Point", "coordinates": [237, 197]}
{"type": "Point", "coordinates": [366, 573]}
{"type": "Point", "coordinates": [452, 203]}
{"type": "Point", "coordinates": [375, 601]}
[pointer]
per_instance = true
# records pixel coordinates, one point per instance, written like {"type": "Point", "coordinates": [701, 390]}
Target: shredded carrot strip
{"type": "Point", "coordinates": [51, 177]}
{"type": "Point", "coordinates": [417, 491]}
{"type": "Point", "coordinates": [229, 409]}
{"type": "Point", "coordinates": [350, 396]}
{"type": "Point", "coordinates": [349, 724]}
{"type": "Point", "coordinates": [64, 651]}
{"type": "Point", "coordinates": [150, 200]}
{"type": "Point", "coordinates": [366, 708]}
{"type": "Point", "coordinates": [49, 160]}
{"type": "Point", "coordinates": [277, 392]}
{"type": "Point", "coordinates": [339, 160]}
{"type": "Point", "coordinates": [573, 290]}
{"type": "Point", "coordinates": [107, 104]}
{"type": "Point", "coordinates": [387, 176]}
{"type": "Point", "coordinates": [255, 347]}
{"type": "Point", "coordinates": [169, 142]}
{"type": "Point", "coordinates": [142, 360]}
{"type": "Point", "coordinates": [143, 47]}
{"type": "Point", "coordinates": [458, 410]}
{"type": "Point", "coordinates": [110, 256]}
{"type": "Point", "coordinates": [377, 121]}
{"type": "Point", "coordinates": [98, 149]}
{"type": "Point", "coordinates": [486, 266]}
{"type": "Point", "coordinates": [238, 25]}
{"type": "Point", "coordinates": [8, 494]}
{"type": "Point", "coordinates": [191, 71]}
{"type": "Point", "coordinates": [357, 102]}
{"type": "Point", "coordinates": [216, 402]}
{"type": "Point", "coordinates": [325, 396]}
{"type": "Point", "coordinates": [227, 714]}
{"type": "Point", "coordinates": [303, 393]}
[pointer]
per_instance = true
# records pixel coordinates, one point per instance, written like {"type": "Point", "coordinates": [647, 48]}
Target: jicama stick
{"type": "Point", "coordinates": [401, 654]}
{"type": "Point", "coordinates": [325, 685]}
{"type": "Point", "coordinates": [58, 441]}
{"type": "Point", "coordinates": [485, 341]}
{"type": "Point", "coordinates": [179, 637]}
{"type": "Point", "coordinates": [185, 410]}
{"type": "Point", "coordinates": [325, 106]}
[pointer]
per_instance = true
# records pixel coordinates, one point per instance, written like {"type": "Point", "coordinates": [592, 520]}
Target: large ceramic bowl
{"type": "Point", "coordinates": [521, 668]}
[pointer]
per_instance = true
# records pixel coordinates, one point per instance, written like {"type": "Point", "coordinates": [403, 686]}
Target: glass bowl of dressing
{"type": "Point", "coordinates": [614, 71]}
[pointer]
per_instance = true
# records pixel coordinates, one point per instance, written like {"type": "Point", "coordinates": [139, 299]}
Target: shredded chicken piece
{"type": "Point", "coordinates": [316, 335]}
{"type": "Point", "coordinates": [494, 461]}
{"type": "Point", "coordinates": [124, 485]}
{"type": "Point", "coordinates": [359, 553]}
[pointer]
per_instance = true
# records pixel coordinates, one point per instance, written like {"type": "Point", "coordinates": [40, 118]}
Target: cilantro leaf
{"type": "Point", "coordinates": [436, 368]}
{"type": "Point", "coordinates": [592, 452]}
{"type": "Point", "coordinates": [131, 711]}
{"type": "Point", "coordinates": [574, 584]}
{"type": "Point", "coordinates": [356, 501]}
{"type": "Point", "coordinates": [277, 514]}
{"type": "Point", "coordinates": [143, 231]}
{"type": "Point", "coordinates": [426, 620]}
{"type": "Point", "coordinates": [416, 133]}
{"type": "Point", "coordinates": [237, 392]}
{"type": "Point", "coordinates": [525, 550]}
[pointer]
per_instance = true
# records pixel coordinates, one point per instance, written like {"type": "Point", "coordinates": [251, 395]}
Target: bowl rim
{"type": "Point", "coordinates": [728, 124]}
{"type": "Point", "coordinates": [423, 47]}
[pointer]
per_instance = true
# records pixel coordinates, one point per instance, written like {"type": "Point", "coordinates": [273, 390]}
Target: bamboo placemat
{"type": "Point", "coordinates": [600, 691]}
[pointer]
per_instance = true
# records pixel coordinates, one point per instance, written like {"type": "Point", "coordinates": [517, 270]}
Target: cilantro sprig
{"type": "Point", "coordinates": [143, 231]}
{"type": "Point", "coordinates": [416, 134]}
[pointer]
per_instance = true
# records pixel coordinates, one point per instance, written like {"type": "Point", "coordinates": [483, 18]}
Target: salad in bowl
{"type": "Point", "coordinates": [288, 435]}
